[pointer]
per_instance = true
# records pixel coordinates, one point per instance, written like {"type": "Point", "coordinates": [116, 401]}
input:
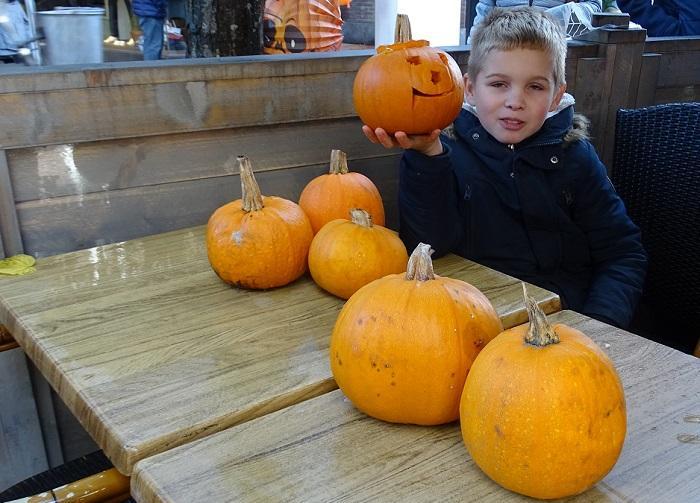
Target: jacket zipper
{"type": "Point", "coordinates": [512, 162]}
{"type": "Point", "coordinates": [511, 147]}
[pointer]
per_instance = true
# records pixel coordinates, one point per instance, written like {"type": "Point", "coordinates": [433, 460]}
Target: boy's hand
{"type": "Point", "coordinates": [427, 144]}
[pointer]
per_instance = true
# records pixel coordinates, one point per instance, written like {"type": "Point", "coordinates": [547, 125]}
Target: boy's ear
{"type": "Point", "coordinates": [469, 90]}
{"type": "Point", "coordinates": [557, 97]}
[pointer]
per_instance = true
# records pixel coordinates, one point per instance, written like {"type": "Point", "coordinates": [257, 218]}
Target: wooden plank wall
{"type": "Point", "coordinates": [678, 76]}
{"type": "Point", "coordinates": [111, 152]}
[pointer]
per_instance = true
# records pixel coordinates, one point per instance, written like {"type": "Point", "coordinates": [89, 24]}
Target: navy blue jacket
{"type": "Point", "coordinates": [150, 8]}
{"type": "Point", "coordinates": [664, 18]}
{"type": "Point", "coordinates": [543, 211]}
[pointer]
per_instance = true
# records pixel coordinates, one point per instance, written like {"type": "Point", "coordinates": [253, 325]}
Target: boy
{"type": "Point", "coordinates": [518, 187]}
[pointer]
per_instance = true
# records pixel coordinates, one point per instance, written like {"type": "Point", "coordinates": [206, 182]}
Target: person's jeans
{"type": "Point", "coordinates": [152, 28]}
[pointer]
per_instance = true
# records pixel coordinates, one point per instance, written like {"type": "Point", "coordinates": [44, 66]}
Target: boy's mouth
{"type": "Point", "coordinates": [511, 124]}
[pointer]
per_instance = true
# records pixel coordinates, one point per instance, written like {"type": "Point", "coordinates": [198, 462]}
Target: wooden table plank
{"type": "Point", "coordinates": [326, 450]}
{"type": "Point", "coordinates": [149, 349]}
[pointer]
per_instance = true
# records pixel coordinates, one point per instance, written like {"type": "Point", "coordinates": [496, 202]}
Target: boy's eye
{"type": "Point", "coordinates": [497, 84]}
{"type": "Point", "coordinates": [537, 87]}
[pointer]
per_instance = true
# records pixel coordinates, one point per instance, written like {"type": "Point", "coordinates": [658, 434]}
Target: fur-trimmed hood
{"type": "Point", "coordinates": [578, 130]}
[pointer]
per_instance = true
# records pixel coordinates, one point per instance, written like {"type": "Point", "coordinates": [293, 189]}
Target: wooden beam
{"type": "Point", "coordinates": [6, 340]}
{"type": "Point", "coordinates": [61, 224]}
{"type": "Point", "coordinates": [9, 225]}
{"type": "Point", "coordinates": [85, 168]}
{"type": "Point", "coordinates": [22, 447]}
{"type": "Point", "coordinates": [648, 78]}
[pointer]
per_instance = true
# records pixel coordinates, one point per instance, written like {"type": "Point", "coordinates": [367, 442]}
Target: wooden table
{"type": "Point", "coordinates": [150, 350]}
{"type": "Point", "coordinates": [325, 450]}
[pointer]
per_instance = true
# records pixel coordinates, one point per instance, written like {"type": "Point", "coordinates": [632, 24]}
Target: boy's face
{"type": "Point", "coordinates": [513, 93]}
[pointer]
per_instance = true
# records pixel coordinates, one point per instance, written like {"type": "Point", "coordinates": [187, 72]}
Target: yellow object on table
{"type": "Point", "coordinates": [17, 265]}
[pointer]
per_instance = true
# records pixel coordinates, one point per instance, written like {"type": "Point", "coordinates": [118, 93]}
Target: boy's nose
{"type": "Point", "coordinates": [514, 100]}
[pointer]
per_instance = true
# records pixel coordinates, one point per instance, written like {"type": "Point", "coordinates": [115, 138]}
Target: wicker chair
{"type": "Point", "coordinates": [656, 171]}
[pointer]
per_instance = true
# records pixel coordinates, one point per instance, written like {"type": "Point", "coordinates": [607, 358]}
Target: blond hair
{"type": "Point", "coordinates": [518, 28]}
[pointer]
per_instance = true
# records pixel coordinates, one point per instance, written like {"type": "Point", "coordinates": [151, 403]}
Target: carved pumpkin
{"type": "Point", "coordinates": [403, 344]}
{"type": "Point", "coordinates": [543, 410]}
{"type": "Point", "coordinates": [410, 87]}
{"type": "Point", "coordinates": [347, 254]}
{"type": "Point", "coordinates": [258, 241]}
{"type": "Point", "coordinates": [291, 26]}
{"type": "Point", "coordinates": [332, 195]}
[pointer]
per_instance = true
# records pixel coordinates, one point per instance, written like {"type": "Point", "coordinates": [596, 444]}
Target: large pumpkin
{"type": "Point", "coordinates": [403, 344]}
{"type": "Point", "coordinates": [410, 87]}
{"type": "Point", "coordinates": [543, 410]}
{"type": "Point", "coordinates": [331, 196]}
{"type": "Point", "coordinates": [347, 254]}
{"type": "Point", "coordinates": [257, 241]}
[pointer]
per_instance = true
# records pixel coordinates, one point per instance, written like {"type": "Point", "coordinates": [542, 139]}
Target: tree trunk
{"type": "Point", "coordinates": [225, 27]}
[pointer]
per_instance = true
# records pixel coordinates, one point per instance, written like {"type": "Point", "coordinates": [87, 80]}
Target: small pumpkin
{"type": "Point", "coordinates": [332, 195]}
{"type": "Point", "coordinates": [402, 345]}
{"type": "Point", "coordinates": [543, 410]}
{"type": "Point", "coordinates": [258, 241]}
{"type": "Point", "coordinates": [347, 254]}
{"type": "Point", "coordinates": [408, 86]}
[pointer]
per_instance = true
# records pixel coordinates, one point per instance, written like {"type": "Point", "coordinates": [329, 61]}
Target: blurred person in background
{"type": "Point", "coordinates": [113, 9]}
{"type": "Point", "coordinates": [14, 30]}
{"type": "Point", "coordinates": [664, 18]}
{"type": "Point", "coordinates": [151, 14]}
{"type": "Point", "coordinates": [611, 7]}
{"type": "Point", "coordinates": [575, 16]}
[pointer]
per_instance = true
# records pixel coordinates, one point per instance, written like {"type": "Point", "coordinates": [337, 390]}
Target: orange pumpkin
{"type": "Point", "coordinates": [257, 241]}
{"type": "Point", "coordinates": [332, 195]}
{"type": "Point", "coordinates": [403, 344]}
{"type": "Point", "coordinates": [410, 87]}
{"type": "Point", "coordinates": [543, 410]}
{"type": "Point", "coordinates": [347, 254]}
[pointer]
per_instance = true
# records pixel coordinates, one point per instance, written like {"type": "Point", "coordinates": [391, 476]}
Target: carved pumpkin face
{"type": "Point", "coordinates": [291, 26]}
{"type": "Point", "coordinates": [408, 87]}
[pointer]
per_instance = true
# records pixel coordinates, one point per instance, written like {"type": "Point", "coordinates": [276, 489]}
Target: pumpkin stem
{"type": "Point", "coordinates": [361, 217]}
{"type": "Point", "coordinates": [339, 162]}
{"type": "Point", "coordinates": [540, 333]}
{"type": "Point", "coordinates": [420, 265]}
{"type": "Point", "coordinates": [402, 31]}
{"type": "Point", "coordinates": [250, 191]}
